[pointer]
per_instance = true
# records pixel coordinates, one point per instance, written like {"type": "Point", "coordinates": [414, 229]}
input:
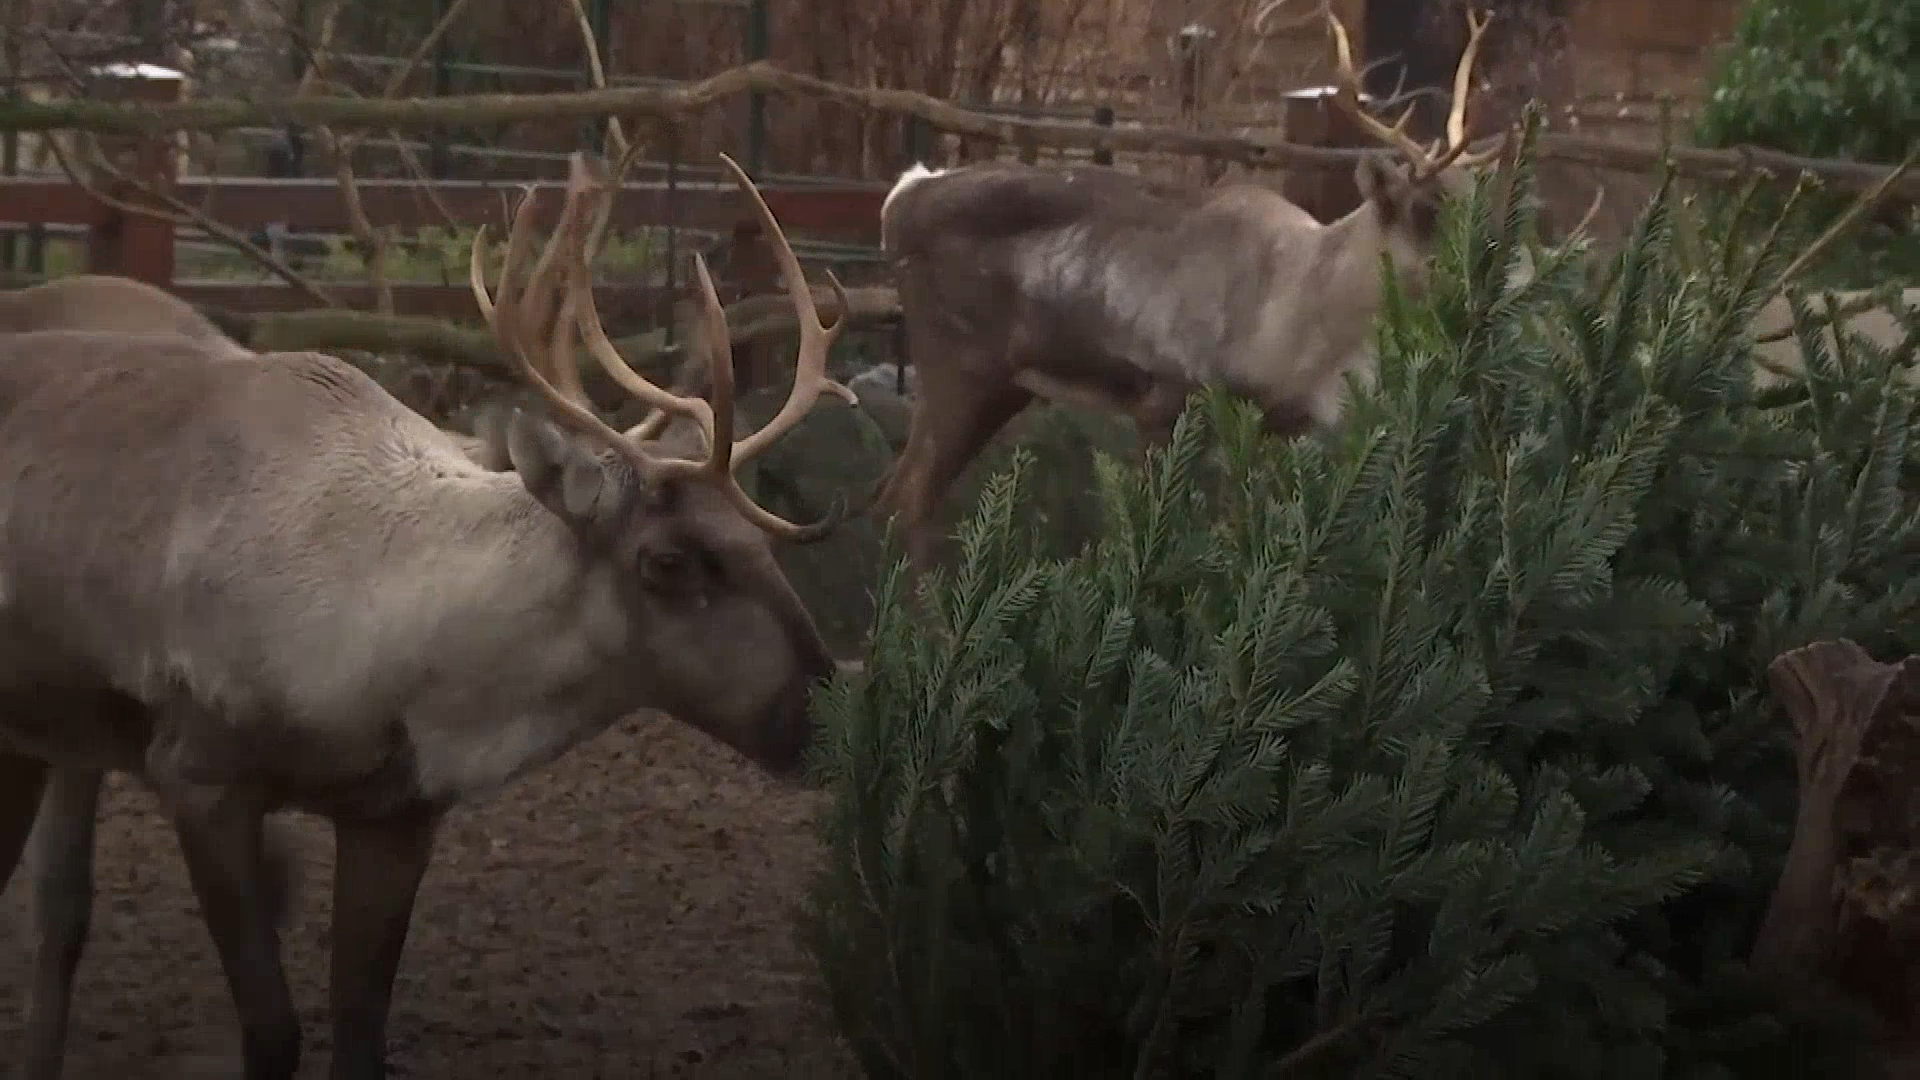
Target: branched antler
{"type": "Point", "coordinates": [516, 312]}
{"type": "Point", "coordinates": [1428, 161]}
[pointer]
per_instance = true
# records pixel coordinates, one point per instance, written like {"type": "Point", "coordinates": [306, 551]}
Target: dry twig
{"type": "Point", "coordinates": [218, 114]}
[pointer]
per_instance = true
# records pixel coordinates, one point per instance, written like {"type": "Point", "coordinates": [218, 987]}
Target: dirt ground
{"type": "Point", "coordinates": [626, 912]}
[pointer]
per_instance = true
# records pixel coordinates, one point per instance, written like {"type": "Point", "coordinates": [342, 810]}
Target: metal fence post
{"type": "Point", "coordinates": [666, 318]}
{"type": "Point", "coordinates": [296, 136]}
{"type": "Point", "coordinates": [442, 86]}
{"type": "Point", "coordinates": [599, 16]}
{"type": "Point", "coordinates": [1103, 117]}
{"type": "Point", "coordinates": [758, 30]}
{"type": "Point", "coordinates": [919, 140]}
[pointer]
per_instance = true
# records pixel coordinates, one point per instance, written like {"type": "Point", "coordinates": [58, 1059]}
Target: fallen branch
{"type": "Point", "coordinates": [677, 102]}
{"type": "Point", "coordinates": [435, 341]}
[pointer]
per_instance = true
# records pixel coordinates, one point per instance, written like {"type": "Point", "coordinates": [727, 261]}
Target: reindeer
{"type": "Point", "coordinates": [60, 846]}
{"type": "Point", "coordinates": [1091, 286]}
{"type": "Point", "coordinates": [281, 561]}
{"type": "Point", "coordinates": [106, 302]}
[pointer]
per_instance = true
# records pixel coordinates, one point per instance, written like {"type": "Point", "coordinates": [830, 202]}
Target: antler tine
{"type": "Point", "coordinates": [575, 237]}
{"type": "Point", "coordinates": [1463, 77]}
{"type": "Point", "coordinates": [816, 339]}
{"type": "Point", "coordinates": [1456, 143]}
{"type": "Point", "coordinates": [1347, 95]}
{"type": "Point", "coordinates": [718, 342]}
{"type": "Point", "coordinates": [724, 453]}
{"type": "Point", "coordinates": [1267, 9]}
{"type": "Point", "coordinates": [588, 182]}
{"type": "Point", "coordinates": [504, 318]}
{"type": "Point", "coordinates": [586, 316]}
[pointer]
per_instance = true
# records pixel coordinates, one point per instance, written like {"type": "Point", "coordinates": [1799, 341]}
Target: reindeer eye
{"type": "Point", "coordinates": [666, 569]}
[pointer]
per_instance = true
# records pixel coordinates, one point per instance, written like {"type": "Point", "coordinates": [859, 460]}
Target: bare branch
{"type": "Point", "coordinates": [408, 159]}
{"type": "Point", "coordinates": [755, 318]}
{"type": "Point", "coordinates": [371, 240]}
{"type": "Point", "coordinates": [616, 138]}
{"type": "Point", "coordinates": [678, 102]}
{"type": "Point", "coordinates": [179, 214]}
{"type": "Point", "coordinates": [1848, 218]}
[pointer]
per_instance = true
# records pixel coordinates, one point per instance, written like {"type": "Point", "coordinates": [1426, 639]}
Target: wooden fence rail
{"type": "Point", "coordinates": [142, 246]}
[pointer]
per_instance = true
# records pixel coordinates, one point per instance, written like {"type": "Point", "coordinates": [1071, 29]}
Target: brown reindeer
{"type": "Point", "coordinates": [1096, 287]}
{"type": "Point", "coordinates": [261, 582]}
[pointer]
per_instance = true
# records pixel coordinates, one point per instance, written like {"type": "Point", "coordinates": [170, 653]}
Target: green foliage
{"type": "Point", "coordinates": [1827, 78]}
{"type": "Point", "coordinates": [1434, 748]}
{"type": "Point", "coordinates": [440, 255]}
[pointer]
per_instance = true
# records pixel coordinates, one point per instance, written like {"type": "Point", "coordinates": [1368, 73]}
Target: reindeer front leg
{"type": "Point", "coordinates": [378, 866]}
{"type": "Point", "coordinates": [1156, 411]}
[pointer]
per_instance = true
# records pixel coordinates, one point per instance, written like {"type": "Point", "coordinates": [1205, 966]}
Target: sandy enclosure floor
{"type": "Point", "coordinates": [626, 912]}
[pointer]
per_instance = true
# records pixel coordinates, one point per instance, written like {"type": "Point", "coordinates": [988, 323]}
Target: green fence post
{"type": "Point", "coordinates": [599, 17]}
{"type": "Point", "coordinates": [442, 86]}
{"type": "Point", "coordinates": [919, 140]}
{"type": "Point", "coordinates": [758, 29]}
{"type": "Point", "coordinates": [297, 28]}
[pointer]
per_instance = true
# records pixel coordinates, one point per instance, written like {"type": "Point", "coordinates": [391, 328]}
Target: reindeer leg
{"type": "Point", "coordinates": [224, 845]}
{"type": "Point", "coordinates": [1156, 412]}
{"type": "Point", "coordinates": [379, 864]}
{"type": "Point", "coordinates": [956, 428]}
{"type": "Point", "coordinates": [21, 780]}
{"type": "Point", "coordinates": [62, 864]}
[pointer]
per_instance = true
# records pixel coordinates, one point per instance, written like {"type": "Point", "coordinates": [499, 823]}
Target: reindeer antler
{"type": "Point", "coordinates": [521, 325]}
{"type": "Point", "coordinates": [1429, 161]}
{"type": "Point", "coordinates": [516, 320]}
{"type": "Point", "coordinates": [810, 366]}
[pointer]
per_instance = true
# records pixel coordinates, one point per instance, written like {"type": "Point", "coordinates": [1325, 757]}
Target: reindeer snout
{"type": "Point", "coordinates": [788, 734]}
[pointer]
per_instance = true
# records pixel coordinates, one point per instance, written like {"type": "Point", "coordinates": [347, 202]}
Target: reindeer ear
{"type": "Point", "coordinates": [490, 433]}
{"type": "Point", "coordinates": [567, 476]}
{"type": "Point", "coordinates": [1383, 183]}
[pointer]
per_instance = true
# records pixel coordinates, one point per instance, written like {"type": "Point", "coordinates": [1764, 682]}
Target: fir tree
{"type": "Point", "coordinates": [1434, 748]}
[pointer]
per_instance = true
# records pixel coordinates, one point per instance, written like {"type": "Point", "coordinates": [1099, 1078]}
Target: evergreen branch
{"type": "Point", "coordinates": [1302, 1057]}
{"type": "Point", "coordinates": [1847, 219]}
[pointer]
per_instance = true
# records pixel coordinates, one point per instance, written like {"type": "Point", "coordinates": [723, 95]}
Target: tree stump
{"type": "Point", "coordinates": [1846, 911]}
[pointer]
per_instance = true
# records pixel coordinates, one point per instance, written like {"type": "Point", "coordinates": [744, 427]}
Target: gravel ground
{"type": "Point", "coordinates": [626, 912]}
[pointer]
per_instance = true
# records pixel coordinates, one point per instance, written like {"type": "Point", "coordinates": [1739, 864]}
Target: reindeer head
{"type": "Point", "coordinates": [709, 626]}
{"type": "Point", "coordinates": [1407, 198]}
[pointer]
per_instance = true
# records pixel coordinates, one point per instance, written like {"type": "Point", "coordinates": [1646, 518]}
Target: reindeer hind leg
{"type": "Point", "coordinates": [225, 851]}
{"type": "Point", "coordinates": [22, 779]}
{"type": "Point", "coordinates": [61, 858]}
{"type": "Point", "coordinates": [953, 432]}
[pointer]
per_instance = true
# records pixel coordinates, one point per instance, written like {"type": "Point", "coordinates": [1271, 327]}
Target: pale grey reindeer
{"type": "Point", "coordinates": [1097, 287]}
{"type": "Point", "coordinates": [106, 302]}
{"type": "Point", "coordinates": [271, 556]}
{"type": "Point", "coordinates": [59, 852]}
